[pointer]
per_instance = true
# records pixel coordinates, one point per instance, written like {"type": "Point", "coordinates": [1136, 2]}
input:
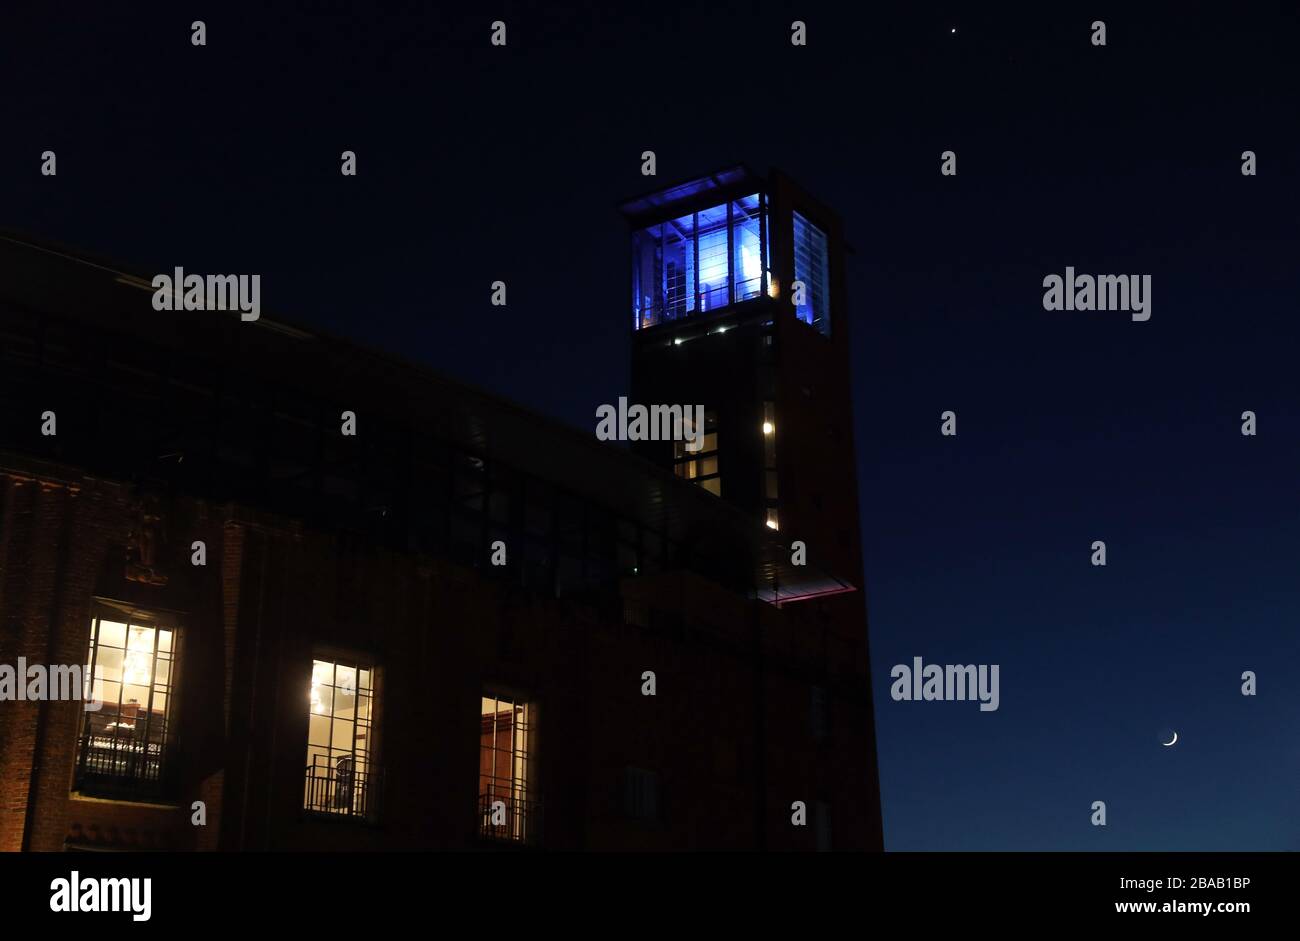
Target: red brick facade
{"type": "Point", "coordinates": [438, 633]}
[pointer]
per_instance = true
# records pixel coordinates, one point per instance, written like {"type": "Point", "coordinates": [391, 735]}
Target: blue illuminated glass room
{"type": "Point", "coordinates": [710, 250]}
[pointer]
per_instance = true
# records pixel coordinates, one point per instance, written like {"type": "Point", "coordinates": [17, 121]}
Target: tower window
{"type": "Point", "coordinates": [700, 464]}
{"type": "Point", "coordinates": [811, 266]}
{"type": "Point", "coordinates": [770, 493]}
{"type": "Point", "coordinates": [747, 238]}
{"type": "Point", "coordinates": [700, 262]}
{"type": "Point", "coordinates": [715, 273]}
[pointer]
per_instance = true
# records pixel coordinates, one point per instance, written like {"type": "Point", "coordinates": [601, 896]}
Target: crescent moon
{"type": "Point", "coordinates": [1167, 744]}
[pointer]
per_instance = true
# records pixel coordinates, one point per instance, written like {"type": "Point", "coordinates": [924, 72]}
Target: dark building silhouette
{"type": "Point", "coordinates": [308, 630]}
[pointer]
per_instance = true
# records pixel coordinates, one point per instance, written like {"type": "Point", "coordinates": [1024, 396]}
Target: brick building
{"type": "Point", "coordinates": [305, 629]}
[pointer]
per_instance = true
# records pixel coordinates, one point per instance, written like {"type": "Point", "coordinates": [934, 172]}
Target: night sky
{"type": "Point", "coordinates": [478, 163]}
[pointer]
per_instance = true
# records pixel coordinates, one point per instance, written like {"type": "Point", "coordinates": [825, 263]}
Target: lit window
{"type": "Point", "coordinates": [508, 805]}
{"type": "Point", "coordinates": [769, 463]}
{"type": "Point", "coordinates": [123, 749]}
{"type": "Point", "coordinates": [811, 264]}
{"type": "Point", "coordinates": [647, 265]}
{"type": "Point", "coordinates": [679, 267]}
{"type": "Point", "coordinates": [747, 237]}
{"type": "Point", "coordinates": [340, 738]}
{"type": "Point", "coordinates": [715, 273]}
{"type": "Point", "coordinates": [700, 262]}
{"type": "Point", "coordinates": [699, 462]}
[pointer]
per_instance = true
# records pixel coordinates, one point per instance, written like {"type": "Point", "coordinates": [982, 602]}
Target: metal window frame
{"type": "Point", "coordinates": [714, 199]}
{"type": "Point", "coordinates": [362, 799]}
{"type": "Point", "coordinates": [130, 784]}
{"type": "Point", "coordinates": [523, 806]}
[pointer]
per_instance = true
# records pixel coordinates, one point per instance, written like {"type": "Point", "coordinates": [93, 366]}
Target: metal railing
{"type": "Point", "coordinates": [336, 786]}
{"type": "Point", "coordinates": [515, 821]}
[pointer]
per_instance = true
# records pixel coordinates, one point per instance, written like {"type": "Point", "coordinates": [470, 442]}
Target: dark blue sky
{"type": "Point", "coordinates": [478, 164]}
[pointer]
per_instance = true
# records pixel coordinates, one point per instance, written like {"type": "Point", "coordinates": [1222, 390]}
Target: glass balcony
{"type": "Point", "coordinates": [701, 262]}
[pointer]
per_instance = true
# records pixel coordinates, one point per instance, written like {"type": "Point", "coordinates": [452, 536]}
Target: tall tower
{"type": "Point", "coordinates": [739, 305]}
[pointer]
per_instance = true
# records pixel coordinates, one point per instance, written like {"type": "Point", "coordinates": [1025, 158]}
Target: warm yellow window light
{"type": "Point", "coordinates": [320, 673]}
{"type": "Point", "coordinates": [768, 428]}
{"type": "Point", "coordinates": [138, 666]}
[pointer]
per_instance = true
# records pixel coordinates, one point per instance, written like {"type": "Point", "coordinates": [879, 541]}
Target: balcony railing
{"type": "Point", "coordinates": [336, 786]}
{"type": "Point", "coordinates": [514, 821]}
{"type": "Point", "coordinates": [117, 766]}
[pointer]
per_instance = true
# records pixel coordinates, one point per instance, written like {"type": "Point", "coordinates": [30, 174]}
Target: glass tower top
{"type": "Point", "coordinates": [701, 261]}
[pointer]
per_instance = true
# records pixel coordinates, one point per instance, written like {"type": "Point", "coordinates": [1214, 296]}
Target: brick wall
{"type": "Point", "coordinates": [272, 595]}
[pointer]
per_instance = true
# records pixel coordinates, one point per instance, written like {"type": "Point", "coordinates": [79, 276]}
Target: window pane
{"type": "Point", "coordinates": [112, 634]}
{"type": "Point", "coordinates": [679, 267]}
{"type": "Point", "coordinates": [318, 731]}
{"type": "Point", "coordinates": [506, 798]}
{"type": "Point", "coordinates": [108, 666]}
{"type": "Point", "coordinates": [122, 749]}
{"type": "Point", "coordinates": [338, 773]}
{"type": "Point", "coordinates": [346, 678]}
{"type": "Point", "coordinates": [810, 267]}
{"type": "Point", "coordinates": [345, 701]}
{"type": "Point", "coordinates": [647, 263]}
{"type": "Point", "coordinates": [715, 284]}
{"type": "Point", "coordinates": [746, 226]}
